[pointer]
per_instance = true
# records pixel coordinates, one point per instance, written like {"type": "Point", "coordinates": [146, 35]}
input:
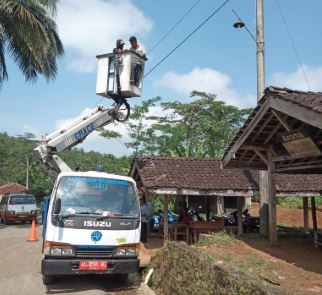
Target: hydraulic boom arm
{"type": "Point", "coordinates": [71, 135]}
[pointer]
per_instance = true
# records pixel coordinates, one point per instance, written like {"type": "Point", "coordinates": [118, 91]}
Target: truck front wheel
{"type": "Point", "coordinates": [48, 279]}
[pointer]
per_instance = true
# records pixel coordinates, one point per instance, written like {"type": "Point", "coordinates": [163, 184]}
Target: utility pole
{"type": "Point", "coordinates": [27, 175]}
{"type": "Point", "coordinates": [263, 175]}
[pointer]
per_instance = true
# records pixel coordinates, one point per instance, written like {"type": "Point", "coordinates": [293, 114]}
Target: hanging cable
{"type": "Point", "coordinates": [174, 26]}
{"type": "Point", "coordinates": [293, 45]}
{"type": "Point", "coordinates": [185, 39]}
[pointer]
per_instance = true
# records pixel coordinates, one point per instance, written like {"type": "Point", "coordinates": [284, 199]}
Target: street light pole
{"type": "Point", "coordinates": [263, 175]}
{"type": "Point", "coordinates": [260, 48]}
{"type": "Point", "coordinates": [260, 61]}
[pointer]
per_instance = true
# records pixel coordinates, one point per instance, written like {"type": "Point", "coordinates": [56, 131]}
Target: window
{"type": "Point", "coordinates": [97, 195]}
{"type": "Point", "coordinates": [21, 200]}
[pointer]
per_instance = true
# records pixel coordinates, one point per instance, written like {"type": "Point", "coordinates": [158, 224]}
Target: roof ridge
{"type": "Point", "coordinates": [177, 158]}
{"type": "Point", "coordinates": [288, 90]}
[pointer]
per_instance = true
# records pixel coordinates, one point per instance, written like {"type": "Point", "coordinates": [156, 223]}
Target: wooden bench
{"type": "Point", "coordinates": [179, 232]}
{"type": "Point", "coordinates": [202, 227]}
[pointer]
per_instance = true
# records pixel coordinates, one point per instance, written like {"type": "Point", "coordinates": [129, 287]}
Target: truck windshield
{"type": "Point", "coordinates": [21, 200]}
{"type": "Point", "coordinates": [97, 196]}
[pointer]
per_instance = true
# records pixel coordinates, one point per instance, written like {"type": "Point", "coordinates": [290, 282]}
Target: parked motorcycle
{"type": "Point", "coordinates": [196, 214]}
{"type": "Point", "coordinates": [250, 223]}
{"type": "Point", "coordinates": [157, 218]}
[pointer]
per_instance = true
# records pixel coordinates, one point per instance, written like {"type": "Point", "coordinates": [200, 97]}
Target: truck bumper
{"type": "Point", "coordinates": [26, 217]}
{"type": "Point", "coordinates": [71, 266]}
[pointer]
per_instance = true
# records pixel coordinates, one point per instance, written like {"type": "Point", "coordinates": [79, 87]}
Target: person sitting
{"type": "Point", "coordinates": [186, 218]}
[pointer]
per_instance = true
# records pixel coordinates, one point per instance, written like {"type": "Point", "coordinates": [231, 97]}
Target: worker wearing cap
{"type": "Point", "coordinates": [119, 46]}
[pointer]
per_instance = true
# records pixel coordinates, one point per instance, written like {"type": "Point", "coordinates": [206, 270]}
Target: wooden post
{"type": "Point", "coordinates": [315, 224]}
{"type": "Point", "coordinates": [239, 216]}
{"type": "Point", "coordinates": [271, 199]}
{"type": "Point", "coordinates": [306, 214]}
{"type": "Point", "coordinates": [263, 205]}
{"type": "Point", "coordinates": [207, 208]}
{"type": "Point", "coordinates": [165, 219]}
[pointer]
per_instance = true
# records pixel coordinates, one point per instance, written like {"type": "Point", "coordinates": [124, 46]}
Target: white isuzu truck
{"type": "Point", "coordinates": [93, 218]}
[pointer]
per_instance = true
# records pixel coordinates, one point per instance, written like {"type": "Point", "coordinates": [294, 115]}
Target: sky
{"type": "Point", "coordinates": [217, 59]}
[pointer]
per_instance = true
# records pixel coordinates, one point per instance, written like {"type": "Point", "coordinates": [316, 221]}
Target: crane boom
{"type": "Point", "coordinates": [71, 135]}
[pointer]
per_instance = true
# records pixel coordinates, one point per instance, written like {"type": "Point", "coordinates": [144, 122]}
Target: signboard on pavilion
{"type": "Point", "coordinates": [299, 145]}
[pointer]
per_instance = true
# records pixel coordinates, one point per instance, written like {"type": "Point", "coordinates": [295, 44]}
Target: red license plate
{"type": "Point", "coordinates": [93, 265]}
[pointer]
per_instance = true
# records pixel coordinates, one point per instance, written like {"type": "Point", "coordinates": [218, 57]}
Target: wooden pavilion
{"type": "Point", "coordinates": [203, 181]}
{"type": "Point", "coordinates": [282, 135]}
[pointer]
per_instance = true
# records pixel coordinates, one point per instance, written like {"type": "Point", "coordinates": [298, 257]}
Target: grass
{"type": "Point", "coordinates": [220, 239]}
{"type": "Point", "coordinates": [295, 202]}
{"type": "Point", "coordinates": [250, 264]}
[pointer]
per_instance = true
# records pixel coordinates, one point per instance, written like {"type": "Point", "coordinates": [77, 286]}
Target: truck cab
{"type": "Point", "coordinates": [93, 226]}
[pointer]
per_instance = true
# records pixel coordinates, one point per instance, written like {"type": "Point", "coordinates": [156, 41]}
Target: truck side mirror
{"type": "Point", "coordinates": [57, 206]}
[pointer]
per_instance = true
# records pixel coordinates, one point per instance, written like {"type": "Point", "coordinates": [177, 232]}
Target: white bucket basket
{"type": "Point", "coordinates": [131, 72]}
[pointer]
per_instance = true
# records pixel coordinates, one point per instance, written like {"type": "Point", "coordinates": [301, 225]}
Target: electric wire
{"type": "Point", "coordinates": [185, 39]}
{"type": "Point", "coordinates": [293, 45]}
{"type": "Point", "coordinates": [174, 26]}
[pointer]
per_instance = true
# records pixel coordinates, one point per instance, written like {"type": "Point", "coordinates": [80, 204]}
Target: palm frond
{"type": "Point", "coordinates": [31, 37]}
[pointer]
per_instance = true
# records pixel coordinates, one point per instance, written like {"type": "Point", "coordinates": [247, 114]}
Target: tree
{"type": "Point", "coordinates": [142, 139]}
{"type": "Point", "coordinates": [29, 34]}
{"type": "Point", "coordinates": [202, 128]}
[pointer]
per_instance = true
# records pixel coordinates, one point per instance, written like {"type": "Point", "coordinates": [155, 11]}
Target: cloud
{"type": "Point", "coordinates": [91, 27]}
{"type": "Point", "coordinates": [296, 80]}
{"type": "Point", "coordinates": [205, 80]}
{"type": "Point", "coordinates": [95, 142]}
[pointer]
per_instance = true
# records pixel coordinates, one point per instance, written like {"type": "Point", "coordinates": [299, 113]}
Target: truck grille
{"type": "Point", "coordinates": [93, 253]}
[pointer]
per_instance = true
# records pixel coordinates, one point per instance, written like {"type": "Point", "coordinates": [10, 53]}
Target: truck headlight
{"type": "Point", "coordinates": [58, 249]}
{"type": "Point", "coordinates": [33, 212]}
{"type": "Point", "coordinates": [126, 251]}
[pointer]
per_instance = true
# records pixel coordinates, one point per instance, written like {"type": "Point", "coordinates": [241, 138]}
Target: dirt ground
{"type": "Point", "coordinates": [297, 264]}
{"type": "Point", "coordinates": [292, 217]}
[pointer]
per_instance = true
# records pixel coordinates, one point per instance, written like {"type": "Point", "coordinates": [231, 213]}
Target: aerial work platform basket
{"type": "Point", "coordinates": [125, 70]}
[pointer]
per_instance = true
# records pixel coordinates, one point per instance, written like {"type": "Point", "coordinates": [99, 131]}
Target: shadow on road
{"type": "Point", "coordinates": [106, 283]}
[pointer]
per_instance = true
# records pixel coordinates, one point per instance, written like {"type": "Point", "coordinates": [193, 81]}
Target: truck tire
{"type": "Point", "coordinates": [48, 279]}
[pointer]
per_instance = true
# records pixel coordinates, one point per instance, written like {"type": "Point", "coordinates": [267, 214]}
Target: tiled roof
{"type": "Point", "coordinates": [12, 188]}
{"type": "Point", "coordinates": [309, 100]}
{"type": "Point", "coordinates": [206, 174]}
{"type": "Point", "coordinates": [279, 110]}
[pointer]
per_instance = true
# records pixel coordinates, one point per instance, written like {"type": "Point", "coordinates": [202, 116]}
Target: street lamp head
{"type": "Point", "coordinates": [239, 25]}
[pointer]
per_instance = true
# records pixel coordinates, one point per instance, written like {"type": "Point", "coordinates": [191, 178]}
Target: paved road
{"type": "Point", "coordinates": [20, 270]}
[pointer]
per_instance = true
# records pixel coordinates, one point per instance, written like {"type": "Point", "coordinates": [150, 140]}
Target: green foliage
{"type": "Point", "coordinates": [29, 34]}
{"type": "Point", "coordinates": [201, 128]}
{"type": "Point", "coordinates": [14, 152]}
{"type": "Point", "coordinates": [219, 239]}
{"type": "Point", "coordinates": [296, 202]}
{"type": "Point", "coordinates": [157, 200]}
{"type": "Point", "coordinates": [182, 270]}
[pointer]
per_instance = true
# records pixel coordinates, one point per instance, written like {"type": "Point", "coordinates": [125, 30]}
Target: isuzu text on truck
{"type": "Point", "coordinates": [93, 218]}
